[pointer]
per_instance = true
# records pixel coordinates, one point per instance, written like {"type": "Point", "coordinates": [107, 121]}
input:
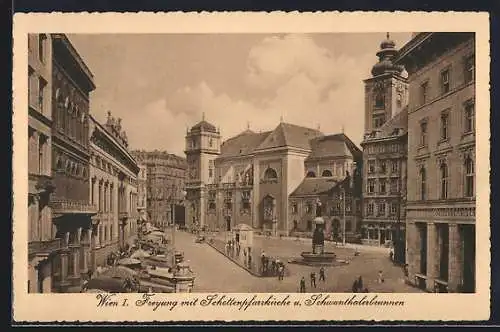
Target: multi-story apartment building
{"type": "Point", "coordinates": [165, 178]}
{"type": "Point", "coordinates": [72, 83]}
{"type": "Point", "coordinates": [441, 161]}
{"type": "Point", "coordinates": [113, 188]}
{"type": "Point", "coordinates": [384, 152]}
{"type": "Point", "coordinates": [43, 246]}
{"type": "Point", "coordinates": [333, 172]}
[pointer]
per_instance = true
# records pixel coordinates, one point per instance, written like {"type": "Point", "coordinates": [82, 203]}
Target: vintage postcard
{"type": "Point", "coordinates": [251, 166]}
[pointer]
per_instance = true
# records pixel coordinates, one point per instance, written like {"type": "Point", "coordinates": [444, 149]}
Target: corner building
{"type": "Point", "coordinates": [113, 188]}
{"type": "Point", "coordinates": [441, 161]}
{"type": "Point", "coordinates": [385, 152]}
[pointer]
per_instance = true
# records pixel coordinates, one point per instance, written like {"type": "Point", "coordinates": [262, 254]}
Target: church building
{"type": "Point", "coordinates": [251, 178]}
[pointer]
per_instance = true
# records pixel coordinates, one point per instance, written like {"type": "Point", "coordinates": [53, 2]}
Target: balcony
{"type": "Point", "coordinates": [44, 247]}
{"type": "Point", "coordinates": [65, 206]}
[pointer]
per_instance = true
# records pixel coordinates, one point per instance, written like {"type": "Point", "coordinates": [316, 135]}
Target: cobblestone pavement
{"type": "Point", "coordinates": [216, 273]}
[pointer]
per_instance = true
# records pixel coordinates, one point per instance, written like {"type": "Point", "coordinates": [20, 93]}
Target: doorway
{"type": "Point", "coordinates": [237, 238]}
{"type": "Point", "coordinates": [382, 236]}
{"type": "Point", "coordinates": [469, 258]}
{"type": "Point", "coordinates": [228, 223]}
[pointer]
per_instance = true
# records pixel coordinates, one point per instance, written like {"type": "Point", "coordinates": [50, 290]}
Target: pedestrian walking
{"type": "Point", "coordinates": [281, 272]}
{"type": "Point", "coordinates": [302, 285]}
{"type": "Point", "coordinates": [322, 274]}
{"type": "Point", "coordinates": [391, 255]}
{"type": "Point", "coordinates": [313, 279]}
{"type": "Point", "coordinates": [380, 277]}
{"type": "Point", "coordinates": [355, 286]}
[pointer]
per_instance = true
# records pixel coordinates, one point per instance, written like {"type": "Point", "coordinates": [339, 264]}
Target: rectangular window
{"type": "Point", "coordinates": [423, 133]}
{"type": "Point", "coordinates": [469, 69]}
{"type": "Point", "coordinates": [445, 119]}
{"type": "Point", "coordinates": [424, 90]}
{"type": "Point", "coordinates": [41, 157]}
{"type": "Point", "coordinates": [394, 166]}
{"type": "Point", "coordinates": [381, 209]}
{"type": "Point", "coordinates": [308, 208]}
{"type": "Point", "coordinates": [383, 167]}
{"type": "Point", "coordinates": [369, 209]}
{"type": "Point", "coordinates": [42, 38]}
{"type": "Point", "coordinates": [382, 186]}
{"type": "Point", "coordinates": [469, 177]}
{"type": "Point", "coordinates": [371, 166]}
{"type": "Point", "coordinates": [294, 208]}
{"type": "Point", "coordinates": [394, 208]}
{"type": "Point", "coordinates": [41, 89]}
{"type": "Point", "coordinates": [469, 117]}
{"type": "Point", "coordinates": [371, 186]}
{"type": "Point", "coordinates": [394, 186]}
{"type": "Point", "coordinates": [445, 81]}
{"type": "Point", "coordinates": [378, 121]}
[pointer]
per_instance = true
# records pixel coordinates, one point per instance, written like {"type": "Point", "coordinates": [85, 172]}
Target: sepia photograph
{"type": "Point", "coordinates": [251, 162]}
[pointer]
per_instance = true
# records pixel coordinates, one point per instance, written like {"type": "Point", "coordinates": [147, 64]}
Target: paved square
{"type": "Point", "coordinates": [216, 273]}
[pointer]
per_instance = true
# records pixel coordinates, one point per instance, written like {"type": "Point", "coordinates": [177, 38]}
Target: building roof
{"type": "Point", "coordinates": [289, 135]}
{"type": "Point", "coordinates": [242, 144]}
{"type": "Point", "coordinates": [314, 186]}
{"type": "Point", "coordinates": [337, 145]}
{"type": "Point", "coordinates": [397, 126]}
{"type": "Point", "coordinates": [399, 121]}
{"type": "Point", "coordinates": [204, 126]}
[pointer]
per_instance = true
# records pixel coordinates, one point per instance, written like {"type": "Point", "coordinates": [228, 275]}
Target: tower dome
{"type": "Point", "coordinates": [385, 55]}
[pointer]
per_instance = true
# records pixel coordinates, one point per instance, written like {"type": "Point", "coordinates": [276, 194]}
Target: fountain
{"type": "Point", "coordinates": [318, 256]}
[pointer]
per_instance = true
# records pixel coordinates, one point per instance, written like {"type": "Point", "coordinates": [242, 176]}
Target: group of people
{"type": "Point", "coordinates": [272, 266]}
{"type": "Point", "coordinates": [312, 277]}
{"type": "Point", "coordinates": [233, 248]}
{"type": "Point", "coordinates": [358, 287]}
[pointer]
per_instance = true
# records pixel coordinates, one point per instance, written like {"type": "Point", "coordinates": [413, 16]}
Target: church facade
{"type": "Point", "coordinates": [250, 178]}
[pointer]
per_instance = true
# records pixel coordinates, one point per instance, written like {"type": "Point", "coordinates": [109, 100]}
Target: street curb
{"type": "Point", "coordinates": [234, 261]}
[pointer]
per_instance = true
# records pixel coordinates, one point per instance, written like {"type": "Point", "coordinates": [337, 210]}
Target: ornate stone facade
{"type": "Point", "coordinates": [441, 161]}
{"type": "Point", "coordinates": [72, 82]}
{"type": "Point", "coordinates": [113, 188]}
{"type": "Point", "coordinates": [249, 178]}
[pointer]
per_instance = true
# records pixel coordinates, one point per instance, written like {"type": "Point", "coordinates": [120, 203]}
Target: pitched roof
{"type": "Point", "coordinates": [400, 120]}
{"type": "Point", "coordinates": [242, 144]}
{"type": "Point", "coordinates": [338, 145]}
{"type": "Point", "coordinates": [314, 186]}
{"type": "Point", "coordinates": [286, 134]}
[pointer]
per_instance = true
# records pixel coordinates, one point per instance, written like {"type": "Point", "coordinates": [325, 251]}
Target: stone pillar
{"type": "Point", "coordinates": [455, 261]}
{"type": "Point", "coordinates": [432, 256]}
{"type": "Point", "coordinates": [413, 253]}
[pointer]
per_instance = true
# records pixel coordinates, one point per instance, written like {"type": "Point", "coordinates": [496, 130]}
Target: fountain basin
{"type": "Point", "coordinates": [321, 259]}
{"type": "Point", "coordinates": [326, 257]}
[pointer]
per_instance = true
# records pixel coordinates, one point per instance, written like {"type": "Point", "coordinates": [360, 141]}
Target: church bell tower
{"type": "Point", "coordinates": [386, 92]}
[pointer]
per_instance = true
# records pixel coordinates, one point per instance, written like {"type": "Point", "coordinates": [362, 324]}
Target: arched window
{"type": "Point", "coordinates": [310, 174]}
{"type": "Point", "coordinates": [326, 173]}
{"type": "Point", "coordinates": [443, 173]}
{"type": "Point", "coordinates": [270, 174]}
{"type": "Point", "coordinates": [423, 183]}
{"type": "Point", "coordinates": [469, 177]}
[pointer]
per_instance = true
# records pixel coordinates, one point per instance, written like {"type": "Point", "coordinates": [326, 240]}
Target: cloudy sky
{"type": "Point", "coordinates": [161, 84]}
